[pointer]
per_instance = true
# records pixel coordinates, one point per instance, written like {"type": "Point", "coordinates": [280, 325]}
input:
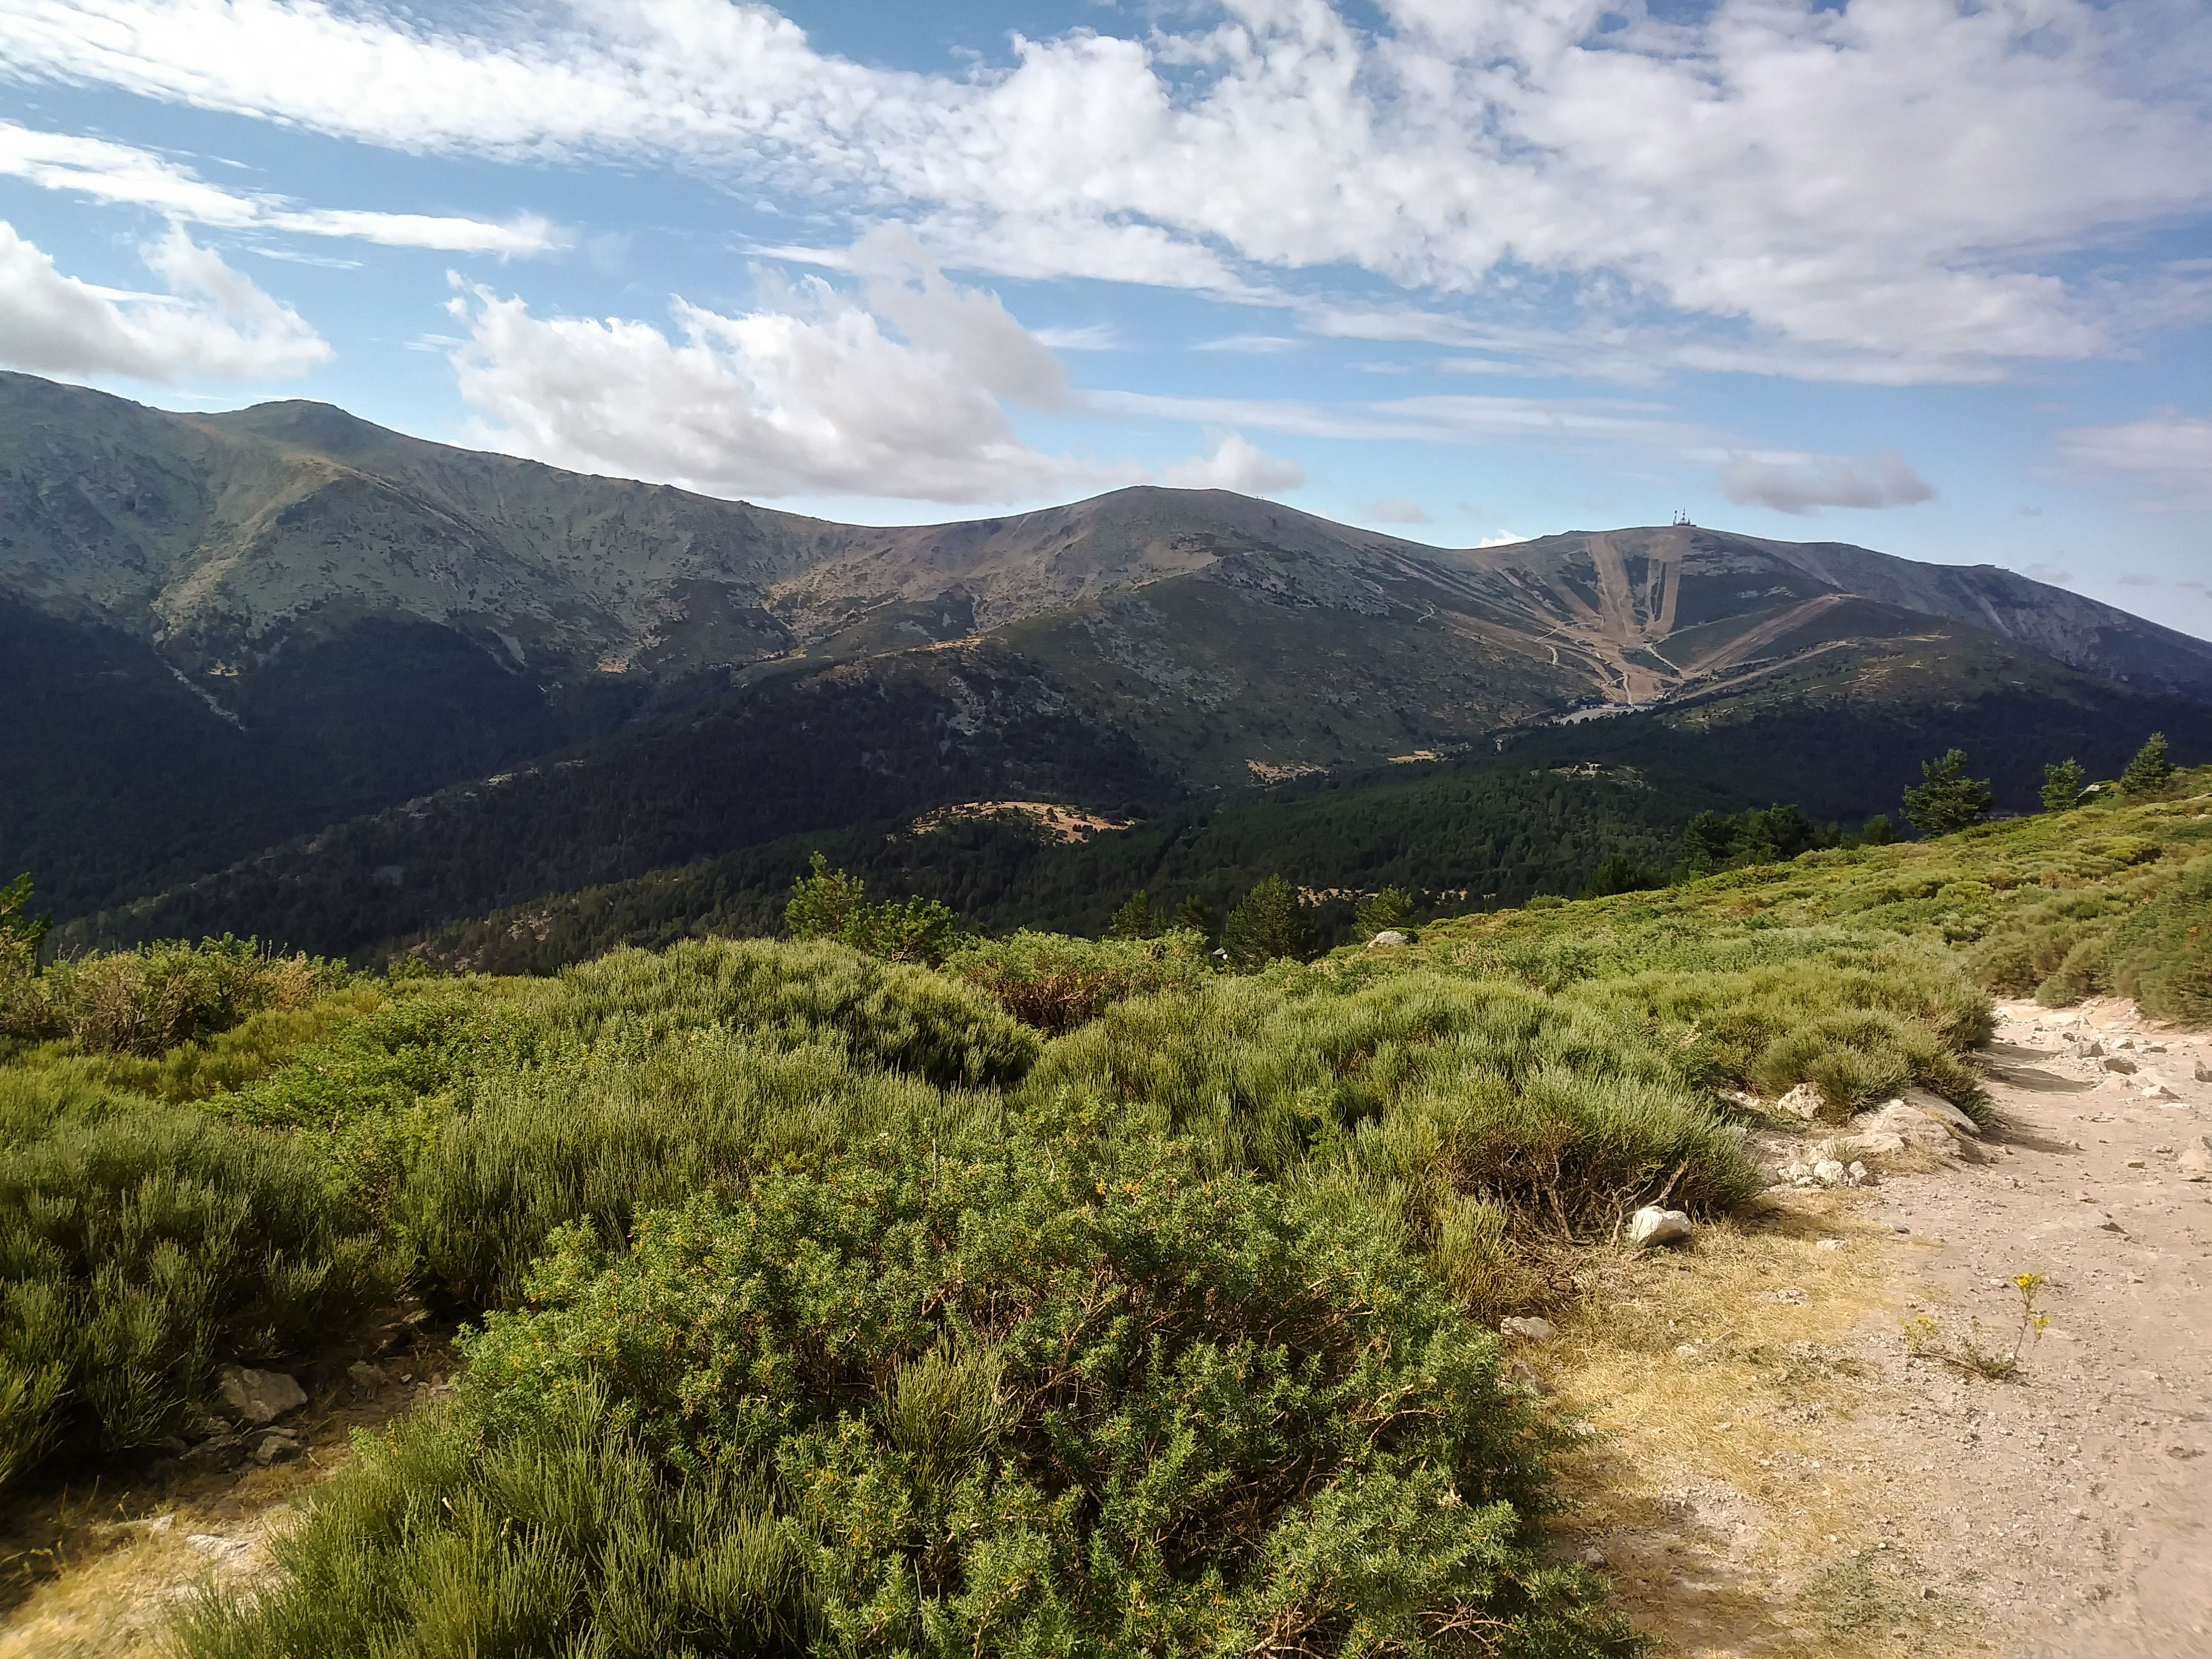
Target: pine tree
{"type": "Point", "coordinates": [1135, 920]}
{"type": "Point", "coordinates": [1877, 831]}
{"type": "Point", "coordinates": [1390, 911]}
{"type": "Point", "coordinates": [2150, 771]}
{"type": "Point", "coordinates": [822, 903]}
{"type": "Point", "coordinates": [2063, 785]}
{"type": "Point", "coordinates": [1195, 915]}
{"type": "Point", "coordinates": [1620, 874]}
{"type": "Point", "coordinates": [1946, 799]}
{"type": "Point", "coordinates": [1268, 923]}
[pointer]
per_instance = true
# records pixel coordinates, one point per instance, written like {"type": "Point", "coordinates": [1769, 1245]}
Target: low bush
{"type": "Point", "coordinates": [146, 1002]}
{"type": "Point", "coordinates": [884, 1013]}
{"type": "Point", "coordinates": [1056, 984]}
{"type": "Point", "coordinates": [140, 1245]}
{"type": "Point", "coordinates": [2162, 954]}
{"type": "Point", "coordinates": [1564, 1110]}
{"type": "Point", "coordinates": [566, 1538]}
{"type": "Point", "coordinates": [596, 1140]}
{"type": "Point", "coordinates": [1063, 1393]}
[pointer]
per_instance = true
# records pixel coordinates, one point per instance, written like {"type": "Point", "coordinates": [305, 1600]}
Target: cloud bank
{"type": "Point", "coordinates": [2168, 450]}
{"type": "Point", "coordinates": [212, 322]}
{"type": "Point", "coordinates": [1799, 486]}
{"type": "Point", "coordinates": [1865, 191]}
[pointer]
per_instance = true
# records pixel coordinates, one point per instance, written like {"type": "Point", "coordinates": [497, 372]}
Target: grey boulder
{"type": "Point", "coordinates": [258, 1397]}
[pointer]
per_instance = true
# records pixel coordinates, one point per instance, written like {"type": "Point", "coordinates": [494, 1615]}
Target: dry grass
{"type": "Point", "coordinates": [1731, 1524]}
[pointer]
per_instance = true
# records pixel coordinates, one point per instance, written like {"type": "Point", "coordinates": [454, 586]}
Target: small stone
{"type": "Point", "coordinates": [1829, 1244]}
{"type": "Point", "coordinates": [1389, 938]}
{"type": "Point", "coordinates": [365, 1378]}
{"type": "Point", "coordinates": [1829, 1173]}
{"type": "Point", "coordinates": [2137, 1163]}
{"type": "Point", "coordinates": [1652, 1225]}
{"type": "Point", "coordinates": [1527, 1330]}
{"type": "Point", "coordinates": [1858, 1175]}
{"type": "Point", "coordinates": [2120, 1063]}
{"type": "Point", "coordinates": [1804, 1100]}
{"type": "Point", "coordinates": [1794, 1297]}
{"type": "Point", "coordinates": [1523, 1374]}
{"type": "Point", "coordinates": [1685, 1350]}
{"type": "Point", "coordinates": [2203, 1072]}
{"type": "Point", "coordinates": [279, 1447]}
{"type": "Point", "coordinates": [258, 1397]}
{"type": "Point", "coordinates": [1935, 1106]}
{"type": "Point", "coordinates": [1594, 1557]}
{"type": "Point", "coordinates": [219, 1456]}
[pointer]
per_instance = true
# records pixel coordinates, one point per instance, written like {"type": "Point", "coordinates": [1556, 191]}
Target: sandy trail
{"type": "Point", "coordinates": [2081, 1495]}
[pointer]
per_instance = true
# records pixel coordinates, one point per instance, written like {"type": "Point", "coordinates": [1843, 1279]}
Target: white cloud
{"type": "Point", "coordinates": [1800, 485]}
{"type": "Point", "coordinates": [2166, 450]}
{"type": "Point", "coordinates": [213, 322]}
{"type": "Point", "coordinates": [1876, 192]}
{"type": "Point", "coordinates": [1251, 345]}
{"type": "Point", "coordinates": [806, 394]}
{"type": "Point", "coordinates": [1237, 464]}
{"type": "Point", "coordinates": [2056, 574]}
{"type": "Point", "coordinates": [1502, 539]}
{"type": "Point", "coordinates": [1396, 509]}
{"type": "Point", "coordinates": [118, 173]}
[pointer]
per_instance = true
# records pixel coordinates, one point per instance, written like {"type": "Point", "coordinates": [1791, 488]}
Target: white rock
{"type": "Point", "coordinates": [1909, 1128]}
{"type": "Point", "coordinates": [1829, 1244]}
{"type": "Point", "coordinates": [1829, 1173]}
{"type": "Point", "coordinates": [1794, 1297]}
{"type": "Point", "coordinates": [259, 1397]}
{"type": "Point", "coordinates": [1527, 1330]}
{"type": "Point", "coordinates": [1804, 1100]}
{"type": "Point", "coordinates": [1858, 1175]}
{"type": "Point", "coordinates": [1593, 1556]}
{"type": "Point", "coordinates": [1390, 937]}
{"type": "Point", "coordinates": [2195, 1163]}
{"type": "Point", "coordinates": [1942, 1110]}
{"type": "Point", "coordinates": [1653, 1225]}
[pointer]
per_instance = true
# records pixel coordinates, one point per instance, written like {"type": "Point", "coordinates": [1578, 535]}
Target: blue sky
{"type": "Point", "coordinates": [1930, 277]}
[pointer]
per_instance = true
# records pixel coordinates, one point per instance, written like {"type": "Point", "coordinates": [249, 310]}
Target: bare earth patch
{"type": "Point", "coordinates": [1780, 1472]}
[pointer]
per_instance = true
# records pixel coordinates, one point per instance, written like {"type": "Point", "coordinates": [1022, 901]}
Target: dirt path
{"type": "Point", "coordinates": [2082, 1492]}
{"type": "Point", "coordinates": [1780, 1473]}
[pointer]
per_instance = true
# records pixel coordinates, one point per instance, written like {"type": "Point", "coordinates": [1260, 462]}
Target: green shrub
{"type": "Point", "coordinates": [1564, 1110]}
{"type": "Point", "coordinates": [147, 1001]}
{"type": "Point", "coordinates": [1056, 984]}
{"type": "Point", "coordinates": [566, 1538]}
{"type": "Point", "coordinates": [827, 905]}
{"type": "Point", "coordinates": [598, 1139]}
{"type": "Point", "coordinates": [885, 1014]}
{"type": "Point", "coordinates": [1064, 1394]}
{"type": "Point", "coordinates": [139, 1246]}
{"type": "Point", "coordinates": [2161, 955]}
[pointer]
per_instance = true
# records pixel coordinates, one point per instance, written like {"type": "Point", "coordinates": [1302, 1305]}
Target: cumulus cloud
{"type": "Point", "coordinates": [2056, 574]}
{"type": "Point", "coordinates": [1237, 464]}
{"type": "Point", "coordinates": [1869, 191]}
{"type": "Point", "coordinates": [807, 393]}
{"type": "Point", "coordinates": [1799, 486]}
{"type": "Point", "coordinates": [1395, 509]}
{"type": "Point", "coordinates": [212, 322]}
{"type": "Point", "coordinates": [120, 173]}
{"type": "Point", "coordinates": [2166, 450]}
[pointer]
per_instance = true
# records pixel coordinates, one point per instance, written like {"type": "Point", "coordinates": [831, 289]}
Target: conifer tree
{"type": "Point", "coordinates": [1390, 911]}
{"type": "Point", "coordinates": [1195, 915]}
{"type": "Point", "coordinates": [1135, 919]}
{"type": "Point", "coordinates": [2062, 784]}
{"type": "Point", "coordinates": [2150, 771]}
{"type": "Point", "coordinates": [1877, 831]}
{"type": "Point", "coordinates": [1946, 798]}
{"type": "Point", "coordinates": [1269, 922]}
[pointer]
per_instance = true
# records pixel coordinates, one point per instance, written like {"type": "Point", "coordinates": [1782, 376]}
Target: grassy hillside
{"type": "Point", "coordinates": [819, 1303]}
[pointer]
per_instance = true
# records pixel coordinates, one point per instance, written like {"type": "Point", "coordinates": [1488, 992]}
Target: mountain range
{"type": "Point", "coordinates": [244, 642]}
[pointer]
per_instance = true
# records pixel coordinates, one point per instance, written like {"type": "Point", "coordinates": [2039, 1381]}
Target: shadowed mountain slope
{"type": "Point", "coordinates": [241, 627]}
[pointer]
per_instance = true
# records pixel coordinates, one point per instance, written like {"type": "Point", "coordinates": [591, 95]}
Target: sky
{"type": "Point", "coordinates": [1928, 277]}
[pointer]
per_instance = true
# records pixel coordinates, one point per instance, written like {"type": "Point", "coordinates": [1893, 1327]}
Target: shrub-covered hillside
{"type": "Point", "coordinates": [1068, 1296]}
